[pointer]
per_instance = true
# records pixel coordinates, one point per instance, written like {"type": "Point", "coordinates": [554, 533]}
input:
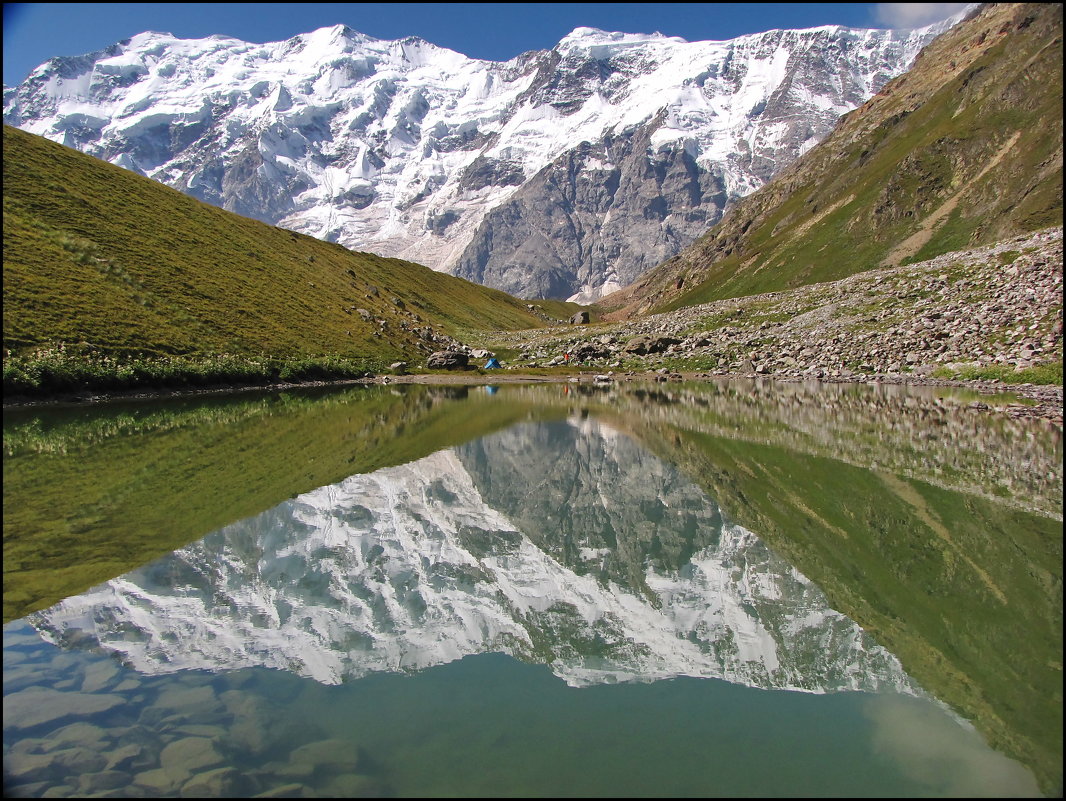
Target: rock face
{"type": "Point", "coordinates": [596, 218]}
{"type": "Point", "coordinates": [556, 173]}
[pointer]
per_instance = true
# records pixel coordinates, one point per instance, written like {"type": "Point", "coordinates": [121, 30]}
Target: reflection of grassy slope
{"type": "Point", "coordinates": [967, 593]}
{"type": "Point", "coordinates": [90, 506]}
{"type": "Point", "coordinates": [94, 253]}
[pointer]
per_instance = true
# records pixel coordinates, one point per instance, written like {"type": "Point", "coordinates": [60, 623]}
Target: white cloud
{"type": "Point", "coordinates": [914, 15]}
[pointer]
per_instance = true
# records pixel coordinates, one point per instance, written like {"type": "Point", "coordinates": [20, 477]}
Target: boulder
{"type": "Point", "coordinates": [590, 350]}
{"type": "Point", "coordinates": [37, 706]}
{"type": "Point", "coordinates": [103, 781]}
{"type": "Point", "coordinates": [189, 754]}
{"type": "Point", "coordinates": [447, 360]}
{"type": "Point", "coordinates": [581, 318]}
{"type": "Point", "coordinates": [292, 790]}
{"type": "Point", "coordinates": [218, 783]}
{"type": "Point", "coordinates": [643, 345]}
{"type": "Point", "coordinates": [333, 755]}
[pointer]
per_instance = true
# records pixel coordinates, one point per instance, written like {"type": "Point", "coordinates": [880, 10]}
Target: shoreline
{"type": "Point", "coordinates": [1046, 399]}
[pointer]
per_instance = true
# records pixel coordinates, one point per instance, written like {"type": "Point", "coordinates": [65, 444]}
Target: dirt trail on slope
{"type": "Point", "coordinates": [917, 240]}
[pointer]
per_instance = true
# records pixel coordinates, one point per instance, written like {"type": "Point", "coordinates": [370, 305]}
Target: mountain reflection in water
{"type": "Point", "coordinates": [563, 543]}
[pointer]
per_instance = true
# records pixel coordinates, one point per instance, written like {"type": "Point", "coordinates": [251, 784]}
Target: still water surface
{"type": "Point", "coordinates": [724, 590]}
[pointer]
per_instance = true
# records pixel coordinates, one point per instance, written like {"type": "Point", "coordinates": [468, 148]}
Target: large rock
{"type": "Point", "coordinates": [448, 360]}
{"type": "Point", "coordinates": [98, 676]}
{"type": "Point", "coordinates": [586, 351]}
{"type": "Point", "coordinates": [81, 733]}
{"type": "Point", "coordinates": [257, 724]}
{"type": "Point", "coordinates": [27, 767]}
{"type": "Point", "coordinates": [189, 755]}
{"type": "Point", "coordinates": [581, 318]}
{"type": "Point", "coordinates": [333, 755]}
{"type": "Point", "coordinates": [644, 344]}
{"type": "Point", "coordinates": [160, 781]}
{"type": "Point", "coordinates": [586, 220]}
{"type": "Point", "coordinates": [36, 706]}
{"type": "Point", "coordinates": [218, 783]}
{"type": "Point", "coordinates": [104, 780]}
{"type": "Point", "coordinates": [188, 699]}
{"type": "Point", "coordinates": [292, 790]}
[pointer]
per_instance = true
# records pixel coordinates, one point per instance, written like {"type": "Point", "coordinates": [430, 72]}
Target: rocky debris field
{"type": "Point", "coordinates": [995, 306]}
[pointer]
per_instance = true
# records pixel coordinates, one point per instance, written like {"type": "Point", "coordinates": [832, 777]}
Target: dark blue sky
{"type": "Point", "coordinates": [35, 32]}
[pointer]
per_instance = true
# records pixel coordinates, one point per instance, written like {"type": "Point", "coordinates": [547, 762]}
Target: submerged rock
{"type": "Point", "coordinates": [190, 754]}
{"type": "Point", "coordinates": [104, 780]}
{"type": "Point", "coordinates": [283, 791]}
{"type": "Point", "coordinates": [159, 781]}
{"type": "Point", "coordinates": [37, 706]}
{"type": "Point", "coordinates": [331, 755]}
{"type": "Point", "coordinates": [74, 734]}
{"type": "Point", "coordinates": [219, 783]}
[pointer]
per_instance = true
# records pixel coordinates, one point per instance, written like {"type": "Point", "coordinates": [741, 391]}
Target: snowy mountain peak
{"type": "Point", "coordinates": [557, 172]}
{"type": "Point", "coordinates": [613, 41]}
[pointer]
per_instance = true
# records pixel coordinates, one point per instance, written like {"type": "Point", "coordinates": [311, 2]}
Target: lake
{"type": "Point", "coordinates": [742, 588]}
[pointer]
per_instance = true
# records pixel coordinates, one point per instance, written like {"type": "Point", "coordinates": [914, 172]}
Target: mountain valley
{"type": "Point", "coordinates": [992, 313]}
{"type": "Point", "coordinates": [559, 174]}
{"type": "Point", "coordinates": [384, 422]}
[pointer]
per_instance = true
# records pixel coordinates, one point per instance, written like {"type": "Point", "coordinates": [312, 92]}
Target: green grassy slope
{"type": "Point", "coordinates": [965, 149]}
{"type": "Point", "coordinates": [96, 254]}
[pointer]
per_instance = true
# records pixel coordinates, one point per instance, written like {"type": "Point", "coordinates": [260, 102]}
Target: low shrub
{"type": "Point", "coordinates": [63, 369]}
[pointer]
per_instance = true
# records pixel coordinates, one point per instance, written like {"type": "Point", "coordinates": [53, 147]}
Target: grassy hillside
{"type": "Point", "coordinates": [965, 149]}
{"type": "Point", "coordinates": [97, 255]}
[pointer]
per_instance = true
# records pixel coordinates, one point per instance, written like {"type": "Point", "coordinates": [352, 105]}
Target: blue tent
{"type": "Point", "coordinates": [492, 364]}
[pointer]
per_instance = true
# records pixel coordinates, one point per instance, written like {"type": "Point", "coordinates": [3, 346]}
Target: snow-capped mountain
{"type": "Point", "coordinates": [419, 565]}
{"type": "Point", "coordinates": [561, 171]}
